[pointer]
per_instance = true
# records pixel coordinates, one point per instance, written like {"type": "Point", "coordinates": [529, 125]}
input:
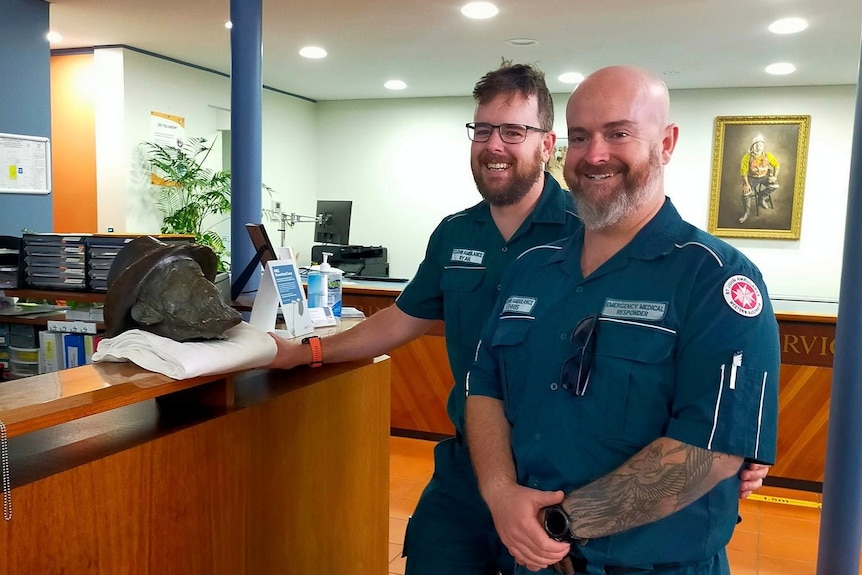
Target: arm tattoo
{"type": "Point", "coordinates": [656, 482]}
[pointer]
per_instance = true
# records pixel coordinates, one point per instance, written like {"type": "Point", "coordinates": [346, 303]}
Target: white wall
{"type": "Point", "coordinates": [405, 162]}
{"type": "Point", "coordinates": [405, 165]}
{"type": "Point", "coordinates": [808, 268]}
{"type": "Point", "coordinates": [140, 84]}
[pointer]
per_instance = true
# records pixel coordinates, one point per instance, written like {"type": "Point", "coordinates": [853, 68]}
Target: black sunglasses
{"type": "Point", "coordinates": [575, 375]}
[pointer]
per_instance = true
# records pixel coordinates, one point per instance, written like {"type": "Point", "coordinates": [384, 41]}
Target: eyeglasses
{"type": "Point", "coordinates": [575, 375]}
{"type": "Point", "coordinates": [509, 133]}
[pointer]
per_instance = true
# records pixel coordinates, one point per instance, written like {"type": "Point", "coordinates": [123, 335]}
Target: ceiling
{"type": "Point", "coordinates": [438, 52]}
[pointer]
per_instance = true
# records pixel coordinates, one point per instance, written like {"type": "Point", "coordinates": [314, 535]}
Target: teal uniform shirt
{"type": "Point", "coordinates": [686, 347]}
{"type": "Point", "coordinates": [459, 279]}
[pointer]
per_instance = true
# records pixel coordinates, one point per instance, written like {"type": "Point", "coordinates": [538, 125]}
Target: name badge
{"type": "Point", "coordinates": [646, 310]}
{"type": "Point", "coordinates": [468, 256]}
{"type": "Point", "coordinates": [519, 304]}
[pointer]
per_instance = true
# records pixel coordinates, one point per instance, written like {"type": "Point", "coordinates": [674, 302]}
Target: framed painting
{"type": "Point", "coordinates": [558, 160]}
{"type": "Point", "coordinates": [758, 176]}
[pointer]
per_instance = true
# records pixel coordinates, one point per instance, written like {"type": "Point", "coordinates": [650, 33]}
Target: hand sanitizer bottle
{"type": "Point", "coordinates": [333, 278]}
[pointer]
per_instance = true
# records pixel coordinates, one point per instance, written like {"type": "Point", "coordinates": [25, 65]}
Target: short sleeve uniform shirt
{"type": "Point", "coordinates": [686, 346]}
{"type": "Point", "coordinates": [459, 279]}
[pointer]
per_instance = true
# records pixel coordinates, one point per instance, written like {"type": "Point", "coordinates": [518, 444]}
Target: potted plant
{"type": "Point", "coordinates": [189, 193]}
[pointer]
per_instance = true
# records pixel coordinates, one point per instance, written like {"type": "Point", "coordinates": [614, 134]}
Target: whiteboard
{"type": "Point", "coordinates": [25, 164]}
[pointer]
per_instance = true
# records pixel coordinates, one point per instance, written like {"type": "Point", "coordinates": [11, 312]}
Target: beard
{"type": "Point", "coordinates": [610, 206]}
{"type": "Point", "coordinates": [522, 178]}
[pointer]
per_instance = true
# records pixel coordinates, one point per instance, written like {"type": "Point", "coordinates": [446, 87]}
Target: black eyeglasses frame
{"type": "Point", "coordinates": [471, 131]}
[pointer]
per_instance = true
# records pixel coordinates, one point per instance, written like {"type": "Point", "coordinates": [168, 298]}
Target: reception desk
{"type": "Point", "coordinates": [421, 378]}
{"type": "Point", "coordinates": [118, 470]}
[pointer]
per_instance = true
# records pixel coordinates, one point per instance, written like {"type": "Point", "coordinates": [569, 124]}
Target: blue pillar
{"type": "Point", "coordinates": [245, 124]}
{"type": "Point", "coordinates": [841, 520]}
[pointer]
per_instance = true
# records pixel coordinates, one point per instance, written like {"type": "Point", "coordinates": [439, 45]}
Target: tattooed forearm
{"type": "Point", "coordinates": [662, 478]}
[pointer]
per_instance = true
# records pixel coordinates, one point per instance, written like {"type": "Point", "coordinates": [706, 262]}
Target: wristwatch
{"type": "Point", "coordinates": [558, 524]}
{"type": "Point", "coordinates": [316, 350]}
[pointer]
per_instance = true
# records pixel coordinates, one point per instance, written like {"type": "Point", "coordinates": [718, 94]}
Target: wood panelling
{"type": "Point", "coordinates": [803, 419]}
{"type": "Point", "coordinates": [262, 489]}
{"type": "Point", "coordinates": [421, 378]}
{"type": "Point", "coordinates": [421, 381]}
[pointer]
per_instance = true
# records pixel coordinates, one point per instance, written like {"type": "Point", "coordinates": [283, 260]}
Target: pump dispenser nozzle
{"type": "Point", "coordinates": [324, 265]}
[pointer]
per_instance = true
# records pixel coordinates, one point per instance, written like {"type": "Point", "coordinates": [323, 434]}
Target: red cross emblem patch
{"type": "Point", "coordinates": [743, 296]}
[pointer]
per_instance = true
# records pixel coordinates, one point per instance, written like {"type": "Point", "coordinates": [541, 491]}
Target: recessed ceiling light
{"type": "Point", "coordinates": [780, 68]}
{"type": "Point", "coordinates": [314, 52]}
{"type": "Point", "coordinates": [228, 24]}
{"type": "Point", "coordinates": [571, 78]}
{"type": "Point", "coordinates": [521, 42]}
{"type": "Point", "coordinates": [395, 85]}
{"type": "Point", "coordinates": [479, 10]}
{"type": "Point", "coordinates": [53, 37]}
{"type": "Point", "coordinates": [788, 26]}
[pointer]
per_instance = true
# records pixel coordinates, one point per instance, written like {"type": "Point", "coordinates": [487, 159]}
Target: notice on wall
{"type": "Point", "coordinates": [25, 164]}
{"type": "Point", "coordinates": [167, 130]}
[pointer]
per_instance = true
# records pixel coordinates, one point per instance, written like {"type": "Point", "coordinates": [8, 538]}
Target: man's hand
{"type": "Point", "coordinates": [517, 516]}
{"type": "Point", "coordinates": [752, 479]}
{"type": "Point", "coordinates": [289, 353]}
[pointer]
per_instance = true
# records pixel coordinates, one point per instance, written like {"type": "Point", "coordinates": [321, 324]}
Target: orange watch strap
{"type": "Point", "coordinates": [316, 350]}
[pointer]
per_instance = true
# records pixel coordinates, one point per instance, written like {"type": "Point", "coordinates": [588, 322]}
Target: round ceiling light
{"type": "Point", "coordinates": [780, 68]}
{"type": "Point", "coordinates": [313, 52]}
{"type": "Point", "coordinates": [788, 26]}
{"type": "Point", "coordinates": [521, 42]}
{"type": "Point", "coordinates": [395, 85]}
{"type": "Point", "coordinates": [571, 78]}
{"type": "Point", "coordinates": [479, 10]}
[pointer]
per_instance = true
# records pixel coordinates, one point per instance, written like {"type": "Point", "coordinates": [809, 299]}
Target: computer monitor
{"type": "Point", "coordinates": [333, 225]}
{"type": "Point", "coordinates": [263, 252]}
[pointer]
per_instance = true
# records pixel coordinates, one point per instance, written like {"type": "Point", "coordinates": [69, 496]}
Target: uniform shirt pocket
{"type": "Point", "coordinates": [633, 380]}
{"type": "Point", "coordinates": [744, 402]}
{"type": "Point", "coordinates": [511, 333]}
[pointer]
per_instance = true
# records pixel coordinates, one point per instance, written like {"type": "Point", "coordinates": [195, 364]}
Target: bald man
{"type": "Point", "coordinates": [628, 372]}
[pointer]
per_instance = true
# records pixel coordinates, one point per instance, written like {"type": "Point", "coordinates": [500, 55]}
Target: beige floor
{"type": "Point", "coordinates": [778, 534]}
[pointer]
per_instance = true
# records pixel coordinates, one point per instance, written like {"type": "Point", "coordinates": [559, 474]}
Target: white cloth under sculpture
{"type": "Point", "coordinates": [246, 347]}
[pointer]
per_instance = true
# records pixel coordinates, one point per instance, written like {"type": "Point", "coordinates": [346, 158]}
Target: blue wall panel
{"type": "Point", "coordinates": [25, 102]}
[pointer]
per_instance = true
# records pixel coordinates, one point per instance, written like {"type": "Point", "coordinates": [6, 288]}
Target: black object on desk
{"type": "Point", "coordinates": [371, 261]}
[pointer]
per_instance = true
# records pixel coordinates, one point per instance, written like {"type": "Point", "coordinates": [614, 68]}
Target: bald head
{"type": "Point", "coordinates": [620, 139]}
{"type": "Point", "coordinates": [633, 92]}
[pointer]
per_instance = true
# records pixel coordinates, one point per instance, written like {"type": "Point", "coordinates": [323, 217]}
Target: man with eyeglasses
{"type": "Point", "coordinates": [451, 531]}
{"type": "Point", "coordinates": [628, 372]}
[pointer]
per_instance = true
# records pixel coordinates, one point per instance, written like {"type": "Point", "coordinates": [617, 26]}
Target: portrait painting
{"type": "Point", "coordinates": [758, 176]}
{"type": "Point", "coordinates": [558, 160]}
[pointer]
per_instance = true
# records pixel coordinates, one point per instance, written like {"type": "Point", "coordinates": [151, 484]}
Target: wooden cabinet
{"type": "Point", "coordinates": [421, 377]}
{"type": "Point", "coordinates": [246, 474]}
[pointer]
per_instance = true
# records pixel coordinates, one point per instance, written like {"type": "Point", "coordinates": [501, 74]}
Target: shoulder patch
{"type": "Point", "coordinates": [743, 296]}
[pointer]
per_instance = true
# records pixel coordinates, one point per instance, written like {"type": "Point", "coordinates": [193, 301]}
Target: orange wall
{"type": "Point", "coordinates": [73, 144]}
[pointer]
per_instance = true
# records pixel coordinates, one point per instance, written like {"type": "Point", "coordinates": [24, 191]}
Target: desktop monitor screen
{"type": "Point", "coordinates": [333, 226]}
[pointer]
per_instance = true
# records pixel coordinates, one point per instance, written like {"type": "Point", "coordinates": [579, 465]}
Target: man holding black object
{"type": "Point", "coordinates": [627, 373]}
{"type": "Point", "coordinates": [452, 532]}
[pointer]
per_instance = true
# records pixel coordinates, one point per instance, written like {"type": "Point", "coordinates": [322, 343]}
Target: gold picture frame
{"type": "Point", "coordinates": [771, 205]}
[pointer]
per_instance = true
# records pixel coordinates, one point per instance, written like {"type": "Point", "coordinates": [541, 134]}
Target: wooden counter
{"type": "Point", "coordinates": [807, 351]}
{"type": "Point", "coordinates": [116, 470]}
{"type": "Point", "coordinates": [421, 377]}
